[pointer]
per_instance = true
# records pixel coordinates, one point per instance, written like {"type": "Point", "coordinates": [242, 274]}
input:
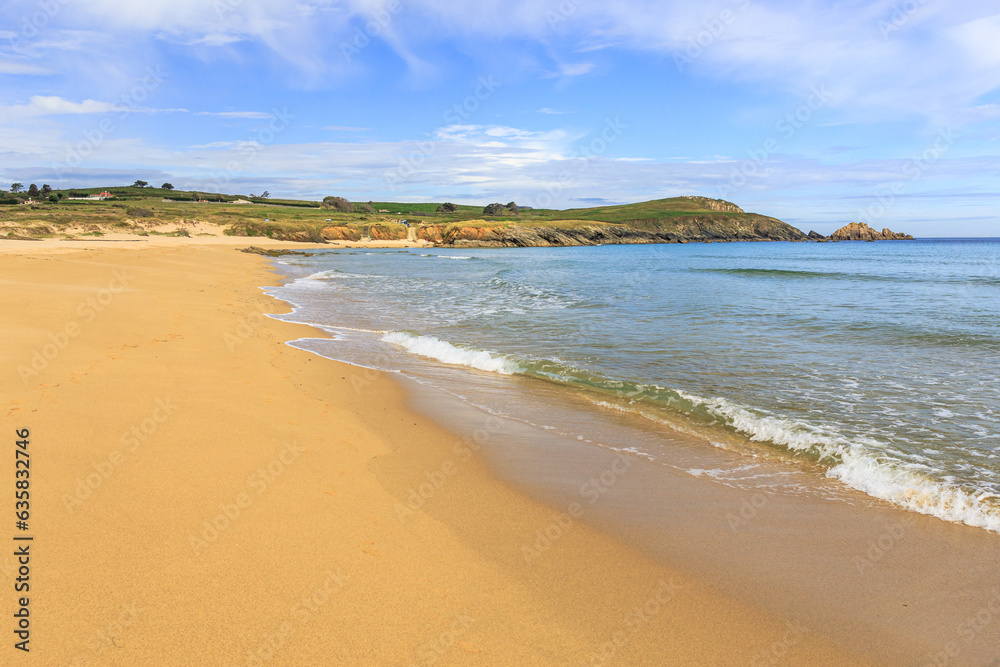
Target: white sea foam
{"type": "Point", "coordinates": [862, 465]}
{"type": "Point", "coordinates": [435, 348]}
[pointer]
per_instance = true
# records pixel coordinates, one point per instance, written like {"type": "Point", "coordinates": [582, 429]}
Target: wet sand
{"type": "Point", "coordinates": [893, 585]}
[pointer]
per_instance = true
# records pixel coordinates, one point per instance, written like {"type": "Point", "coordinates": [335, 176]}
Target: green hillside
{"type": "Point", "coordinates": [140, 210]}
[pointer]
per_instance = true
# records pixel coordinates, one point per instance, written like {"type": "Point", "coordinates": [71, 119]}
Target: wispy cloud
{"type": "Point", "coordinates": [257, 115]}
{"type": "Point", "coordinates": [9, 67]}
{"type": "Point", "coordinates": [346, 128]}
{"type": "Point", "coordinates": [575, 69]}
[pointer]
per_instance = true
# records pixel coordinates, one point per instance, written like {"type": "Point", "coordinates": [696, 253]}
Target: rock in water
{"type": "Point", "coordinates": [859, 231]}
{"type": "Point", "coordinates": [272, 252]}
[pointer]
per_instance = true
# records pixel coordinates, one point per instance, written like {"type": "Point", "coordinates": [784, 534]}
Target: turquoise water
{"type": "Point", "coordinates": [876, 361]}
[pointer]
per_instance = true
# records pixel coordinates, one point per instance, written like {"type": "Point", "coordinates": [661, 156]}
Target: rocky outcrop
{"type": "Point", "coordinates": [720, 205]}
{"type": "Point", "coordinates": [816, 236]}
{"type": "Point", "coordinates": [340, 233]}
{"type": "Point", "coordinates": [859, 231]}
{"type": "Point", "coordinates": [376, 232]}
{"type": "Point", "coordinates": [756, 228]}
{"type": "Point", "coordinates": [274, 252]}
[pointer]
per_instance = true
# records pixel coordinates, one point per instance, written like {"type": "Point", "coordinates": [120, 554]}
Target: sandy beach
{"type": "Point", "coordinates": [204, 494]}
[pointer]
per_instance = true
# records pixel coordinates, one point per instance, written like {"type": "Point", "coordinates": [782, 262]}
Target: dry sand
{"type": "Point", "coordinates": [203, 494]}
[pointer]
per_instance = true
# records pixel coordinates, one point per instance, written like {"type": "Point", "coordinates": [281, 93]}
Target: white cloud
{"type": "Point", "coordinates": [346, 128]}
{"type": "Point", "coordinates": [8, 67]}
{"type": "Point", "coordinates": [235, 114]}
{"type": "Point", "coordinates": [575, 69]}
{"type": "Point", "coordinates": [50, 105]}
{"type": "Point", "coordinates": [53, 105]}
{"type": "Point", "coordinates": [937, 60]}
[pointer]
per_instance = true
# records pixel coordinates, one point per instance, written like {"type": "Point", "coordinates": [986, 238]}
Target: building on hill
{"type": "Point", "coordinates": [100, 197]}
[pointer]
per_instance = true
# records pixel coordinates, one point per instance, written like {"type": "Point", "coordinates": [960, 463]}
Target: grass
{"type": "Point", "coordinates": [133, 209]}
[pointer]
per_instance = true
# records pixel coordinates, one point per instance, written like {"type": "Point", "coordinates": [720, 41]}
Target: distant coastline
{"type": "Point", "coordinates": [121, 213]}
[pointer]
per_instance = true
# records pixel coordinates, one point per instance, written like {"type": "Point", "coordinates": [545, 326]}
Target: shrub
{"type": "Point", "coordinates": [338, 203]}
{"type": "Point", "coordinates": [447, 207]}
{"type": "Point", "coordinates": [139, 212]}
{"type": "Point", "coordinates": [493, 209]}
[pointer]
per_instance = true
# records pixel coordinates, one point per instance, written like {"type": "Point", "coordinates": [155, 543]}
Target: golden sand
{"type": "Point", "coordinates": [203, 494]}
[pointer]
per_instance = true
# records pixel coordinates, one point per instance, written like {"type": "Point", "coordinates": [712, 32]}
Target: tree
{"type": "Point", "coordinates": [167, 186]}
{"type": "Point", "coordinates": [140, 184]}
{"type": "Point", "coordinates": [513, 208]}
{"type": "Point", "coordinates": [46, 189]}
{"type": "Point", "coordinates": [447, 207]}
{"type": "Point", "coordinates": [53, 198]}
{"type": "Point", "coordinates": [265, 194]}
{"type": "Point", "coordinates": [366, 208]}
{"type": "Point", "coordinates": [32, 190]}
{"type": "Point", "coordinates": [338, 203]}
{"type": "Point", "coordinates": [16, 187]}
{"type": "Point", "coordinates": [493, 209]}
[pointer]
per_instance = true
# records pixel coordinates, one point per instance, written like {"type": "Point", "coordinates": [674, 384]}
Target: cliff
{"type": "Point", "coordinates": [580, 233]}
{"type": "Point", "coordinates": [859, 231]}
{"type": "Point", "coordinates": [673, 220]}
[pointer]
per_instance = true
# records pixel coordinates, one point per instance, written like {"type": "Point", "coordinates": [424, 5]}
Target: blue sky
{"type": "Point", "coordinates": [818, 113]}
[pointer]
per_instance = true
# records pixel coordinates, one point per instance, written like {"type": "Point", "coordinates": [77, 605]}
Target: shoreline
{"type": "Point", "coordinates": [882, 560]}
{"type": "Point", "coordinates": [239, 498]}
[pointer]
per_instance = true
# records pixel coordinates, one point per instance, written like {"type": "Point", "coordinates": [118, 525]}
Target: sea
{"type": "Point", "coordinates": [873, 366]}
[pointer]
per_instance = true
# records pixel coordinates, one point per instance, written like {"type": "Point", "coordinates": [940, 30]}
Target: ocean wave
{"type": "Point", "coordinates": [862, 463]}
{"type": "Point", "coordinates": [435, 348]}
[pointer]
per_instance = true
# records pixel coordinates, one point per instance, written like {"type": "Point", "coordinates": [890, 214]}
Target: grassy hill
{"type": "Point", "coordinates": [144, 210]}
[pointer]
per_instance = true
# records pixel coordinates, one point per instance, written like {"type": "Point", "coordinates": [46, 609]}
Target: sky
{"type": "Point", "coordinates": [819, 113]}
